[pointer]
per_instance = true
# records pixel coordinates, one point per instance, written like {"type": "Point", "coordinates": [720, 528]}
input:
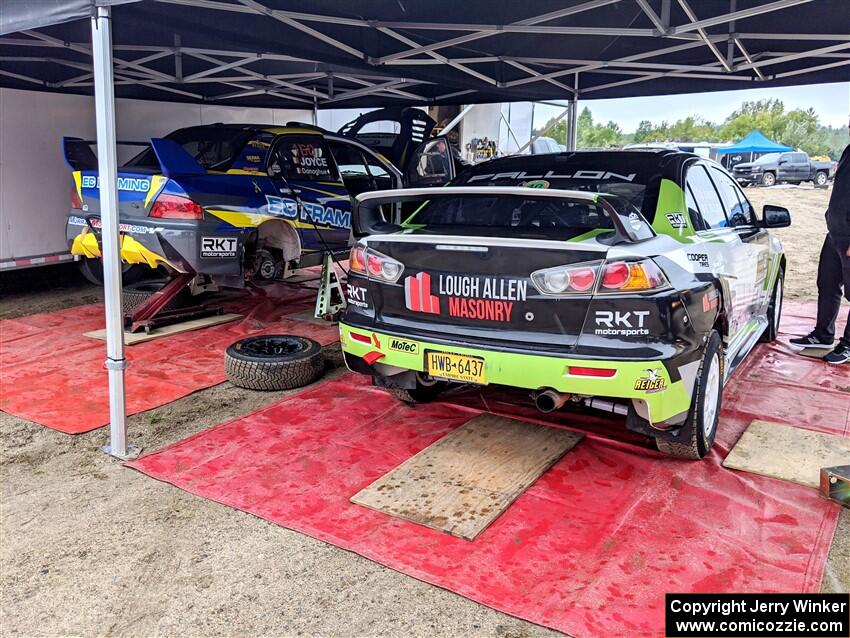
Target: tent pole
{"type": "Point", "coordinates": [572, 132]}
{"type": "Point", "coordinates": [104, 99]}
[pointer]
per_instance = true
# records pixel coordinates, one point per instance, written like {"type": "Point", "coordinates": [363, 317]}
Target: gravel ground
{"type": "Point", "coordinates": [88, 547]}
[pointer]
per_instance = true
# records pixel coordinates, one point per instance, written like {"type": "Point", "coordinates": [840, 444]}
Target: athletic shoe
{"type": "Point", "coordinates": [810, 341]}
{"type": "Point", "coordinates": [841, 354]}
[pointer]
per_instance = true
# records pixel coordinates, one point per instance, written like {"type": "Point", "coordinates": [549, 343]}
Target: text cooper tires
{"type": "Point", "coordinates": [700, 428]}
{"type": "Point", "coordinates": [273, 362]}
{"type": "Point", "coordinates": [774, 310]}
{"type": "Point", "coordinates": [134, 295]}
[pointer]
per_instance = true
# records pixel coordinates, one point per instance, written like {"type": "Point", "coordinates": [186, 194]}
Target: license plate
{"type": "Point", "coordinates": [456, 367]}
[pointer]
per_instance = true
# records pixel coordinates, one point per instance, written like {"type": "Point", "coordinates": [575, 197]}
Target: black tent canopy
{"type": "Point", "coordinates": [332, 53]}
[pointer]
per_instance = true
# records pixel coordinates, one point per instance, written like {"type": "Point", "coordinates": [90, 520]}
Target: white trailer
{"type": "Point", "coordinates": [35, 182]}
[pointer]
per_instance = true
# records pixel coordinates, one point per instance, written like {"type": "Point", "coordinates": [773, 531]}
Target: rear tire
{"type": "Point", "coordinates": [134, 295]}
{"type": "Point", "coordinates": [700, 428]}
{"type": "Point", "coordinates": [774, 311]}
{"type": "Point", "coordinates": [820, 178]}
{"type": "Point", "coordinates": [92, 271]}
{"type": "Point", "coordinates": [768, 179]}
{"type": "Point", "coordinates": [273, 362]}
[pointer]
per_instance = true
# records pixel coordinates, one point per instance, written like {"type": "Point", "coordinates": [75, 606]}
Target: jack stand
{"type": "Point", "coordinates": [330, 300]}
{"type": "Point", "coordinates": [150, 315]}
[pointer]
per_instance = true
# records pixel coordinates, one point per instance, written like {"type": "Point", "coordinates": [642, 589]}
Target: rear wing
{"type": "Point", "coordinates": [367, 217]}
{"type": "Point", "coordinates": [173, 159]}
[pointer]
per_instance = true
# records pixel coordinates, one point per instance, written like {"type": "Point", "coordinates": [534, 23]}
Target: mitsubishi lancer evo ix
{"type": "Point", "coordinates": [631, 281]}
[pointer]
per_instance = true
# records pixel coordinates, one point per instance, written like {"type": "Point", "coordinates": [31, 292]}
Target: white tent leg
{"type": "Point", "coordinates": [107, 164]}
{"type": "Point", "coordinates": [572, 129]}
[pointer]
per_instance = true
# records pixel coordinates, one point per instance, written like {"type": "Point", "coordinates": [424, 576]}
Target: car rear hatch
{"type": "Point", "coordinates": [472, 287]}
{"type": "Point", "coordinates": [489, 284]}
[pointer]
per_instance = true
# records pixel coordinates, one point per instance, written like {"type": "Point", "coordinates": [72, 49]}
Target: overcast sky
{"type": "Point", "coordinates": [830, 101]}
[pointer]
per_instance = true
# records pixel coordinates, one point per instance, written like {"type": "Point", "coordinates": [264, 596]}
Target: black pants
{"type": "Point", "coordinates": [833, 274]}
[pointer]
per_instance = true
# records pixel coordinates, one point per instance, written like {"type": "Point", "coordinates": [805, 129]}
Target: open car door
{"type": "Point", "coordinates": [431, 164]}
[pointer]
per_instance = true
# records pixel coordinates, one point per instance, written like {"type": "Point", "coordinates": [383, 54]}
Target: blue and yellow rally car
{"type": "Point", "coordinates": [243, 202]}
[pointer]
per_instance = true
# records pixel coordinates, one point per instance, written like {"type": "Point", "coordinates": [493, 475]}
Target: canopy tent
{"type": "Point", "coordinates": [755, 142]}
{"type": "Point", "coordinates": [284, 53]}
{"type": "Point", "coordinates": [272, 53]}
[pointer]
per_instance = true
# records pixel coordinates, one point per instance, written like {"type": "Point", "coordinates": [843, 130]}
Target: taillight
{"type": "Point", "coordinates": [622, 276]}
{"type": "Point", "coordinates": [566, 280]}
{"type": "Point", "coordinates": [617, 276]}
{"type": "Point", "coordinates": [176, 207]}
{"type": "Point", "coordinates": [76, 204]}
{"type": "Point", "coordinates": [370, 263]}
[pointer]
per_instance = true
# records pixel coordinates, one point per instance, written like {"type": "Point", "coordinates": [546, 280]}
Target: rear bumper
{"type": "Point", "coordinates": [178, 245]}
{"type": "Point", "coordinates": [668, 400]}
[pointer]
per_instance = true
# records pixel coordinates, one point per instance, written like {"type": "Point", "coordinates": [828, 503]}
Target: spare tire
{"type": "Point", "coordinates": [134, 295]}
{"type": "Point", "coordinates": [273, 362]}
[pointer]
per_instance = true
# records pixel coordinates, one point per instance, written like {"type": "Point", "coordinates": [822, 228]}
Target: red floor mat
{"type": "Point", "coordinates": [53, 375]}
{"type": "Point", "coordinates": [590, 549]}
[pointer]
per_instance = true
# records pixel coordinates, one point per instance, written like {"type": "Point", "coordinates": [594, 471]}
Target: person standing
{"type": "Point", "coordinates": [833, 270]}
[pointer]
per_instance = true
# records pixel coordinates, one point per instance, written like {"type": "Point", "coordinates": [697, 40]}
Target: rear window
{"type": "Point", "coordinates": [212, 147]}
{"type": "Point", "coordinates": [633, 179]}
{"type": "Point", "coordinates": [514, 216]}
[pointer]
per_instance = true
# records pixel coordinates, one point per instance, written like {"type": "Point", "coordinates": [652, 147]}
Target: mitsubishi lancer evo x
{"type": "Point", "coordinates": [633, 281]}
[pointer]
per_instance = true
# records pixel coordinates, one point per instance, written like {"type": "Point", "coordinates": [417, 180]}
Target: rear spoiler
{"type": "Point", "coordinates": [173, 159]}
{"type": "Point", "coordinates": [367, 219]}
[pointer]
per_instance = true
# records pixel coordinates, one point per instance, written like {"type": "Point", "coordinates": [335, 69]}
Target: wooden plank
{"type": "Point", "coordinates": [131, 338]}
{"type": "Point", "coordinates": [787, 453]}
{"type": "Point", "coordinates": [463, 482]}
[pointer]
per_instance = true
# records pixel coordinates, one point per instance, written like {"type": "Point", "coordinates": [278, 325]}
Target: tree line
{"type": "Point", "coordinates": [797, 128]}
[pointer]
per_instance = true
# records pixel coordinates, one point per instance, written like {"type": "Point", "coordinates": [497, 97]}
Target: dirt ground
{"type": "Point", "coordinates": [88, 547]}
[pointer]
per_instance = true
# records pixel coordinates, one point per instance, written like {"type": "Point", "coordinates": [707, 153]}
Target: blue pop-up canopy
{"type": "Point", "coordinates": [755, 142]}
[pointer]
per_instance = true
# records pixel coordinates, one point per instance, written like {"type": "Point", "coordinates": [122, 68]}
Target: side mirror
{"type": "Point", "coordinates": [775, 216]}
{"type": "Point", "coordinates": [782, 161]}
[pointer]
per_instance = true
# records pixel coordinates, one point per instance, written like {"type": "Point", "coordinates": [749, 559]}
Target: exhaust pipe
{"type": "Point", "coordinates": [550, 400]}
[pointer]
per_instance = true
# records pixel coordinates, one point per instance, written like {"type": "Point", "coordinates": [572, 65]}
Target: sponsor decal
{"type": "Point", "coordinates": [536, 183]}
{"type": "Point", "coordinates": [699, 258]}
{"type": "Point", "coordinates": [254, 159]}
{"type": "Point", "coordinates": [309, 160]}
{"type": "Point", "coordinates": [621, 324]}
{"type": "Point", "coordinates": [467, 296]}
{"type": "Point", "coordinates": [356, 296]}
{"type": "Point", "coordinates": [134, 184]}
{"type": "Point", "coordinates": [651, 381]}
{"type": "Point", "coordinates": [583, 174]}
{"type": "Point", "coordinates": [635, 221]}
{"type": "Point", "coordinates": [402, 345]}
{"type": "Point", "coordinates": [218, 247]}
{"type": "Point", "coordinates": [677, 220]}
{"type": "Point", "coordinates": [131, 229]}
{"type": "Point", "coordinates": [417, 294]}
{"type": "Point", "coordinates": [710, 300]}
{"type": "Point", "coordinates": [310, 212]}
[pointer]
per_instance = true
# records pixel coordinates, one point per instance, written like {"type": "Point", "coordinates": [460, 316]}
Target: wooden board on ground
{"type": "Point", "coordinates": [788, 453]}
{"type": "Point", "coordinates": [131, 338]}
{"type": "Point", "coordinates": [461, 483]}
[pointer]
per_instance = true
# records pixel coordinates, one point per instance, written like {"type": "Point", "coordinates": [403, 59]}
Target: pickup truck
{"type": "Point", "coordinates": [792, 167]}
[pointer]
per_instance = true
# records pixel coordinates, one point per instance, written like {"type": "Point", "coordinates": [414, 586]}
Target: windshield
{"type": "Point", "coordinates": [511, 216]}
{"type": "Point", "coordinates": [770, 158]}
